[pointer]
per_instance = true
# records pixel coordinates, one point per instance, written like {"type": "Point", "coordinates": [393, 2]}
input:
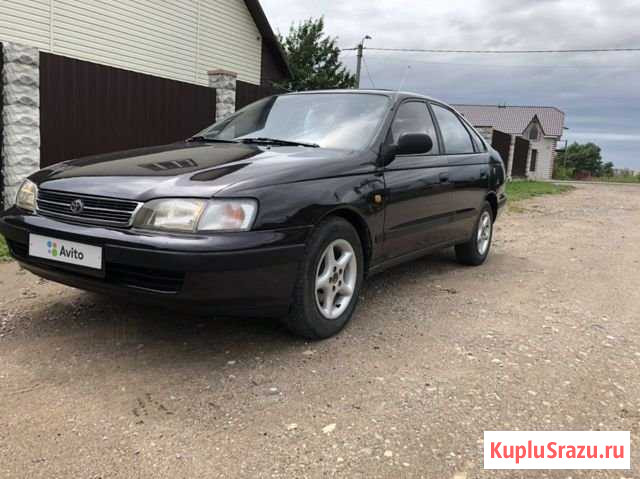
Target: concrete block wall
{"type": "Point", "coordinates": [225, 83]}
{"type": "Point", "coordinates": [20, 117]}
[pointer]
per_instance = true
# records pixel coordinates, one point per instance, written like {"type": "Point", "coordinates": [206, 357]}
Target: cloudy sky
{"type": "Point", "coordinates": [599, 92]}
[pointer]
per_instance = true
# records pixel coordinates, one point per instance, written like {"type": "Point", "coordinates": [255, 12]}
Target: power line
{"type": "Point", "coordinates": [531, 65]}
{"type": "Point", "coordinates": [425, 50]}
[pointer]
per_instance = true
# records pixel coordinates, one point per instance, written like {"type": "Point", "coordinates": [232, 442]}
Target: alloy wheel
{"type": "Point", "coordinates": [336, 276]}
{"type": "Point", "coordinates": [484, 233]}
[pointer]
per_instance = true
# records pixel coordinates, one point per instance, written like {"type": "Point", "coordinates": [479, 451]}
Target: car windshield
{"type": "Point", "coordinates": [329, 120]}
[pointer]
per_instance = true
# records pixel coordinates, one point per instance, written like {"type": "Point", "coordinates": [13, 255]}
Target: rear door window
{"type": "Point", "coordinates": [455, 136]}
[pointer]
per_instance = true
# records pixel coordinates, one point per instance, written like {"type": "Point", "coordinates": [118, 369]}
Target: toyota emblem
{"type": "Point", "coordinates": [76, 207]}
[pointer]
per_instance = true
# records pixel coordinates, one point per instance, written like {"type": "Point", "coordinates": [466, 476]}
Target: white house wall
{"type": "Point", "coordinates": [180, 40]}
{"type": "Point", "coordinates": [544, 166]}
{"type": "Point", "coordinates": [26, 22]}
{"type": "Point", "coordinates": [234, 44]}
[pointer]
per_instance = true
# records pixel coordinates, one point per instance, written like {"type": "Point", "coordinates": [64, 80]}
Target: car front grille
{"type": "Point", "coordinates": [97, 210]}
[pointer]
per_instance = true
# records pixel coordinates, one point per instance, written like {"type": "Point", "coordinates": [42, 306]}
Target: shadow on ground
{"type": "Point", "coordinates": [90, 324]}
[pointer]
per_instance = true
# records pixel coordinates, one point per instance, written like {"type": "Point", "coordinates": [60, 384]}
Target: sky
{"type": "Point", "coordinates": [599, 92]}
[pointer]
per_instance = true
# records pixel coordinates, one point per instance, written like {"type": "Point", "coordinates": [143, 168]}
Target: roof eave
{"type": "Point", "coordinates": [261, 21]}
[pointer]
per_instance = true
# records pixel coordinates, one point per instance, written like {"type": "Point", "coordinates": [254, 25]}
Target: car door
{"type": "Point", "coordinates": [416, 213]}
{"type": "Point", "coordinates": [468, 161]}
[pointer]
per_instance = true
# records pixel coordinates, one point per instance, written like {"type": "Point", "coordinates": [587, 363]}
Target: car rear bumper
{"type": "Point", "coordinates": [249, 273]}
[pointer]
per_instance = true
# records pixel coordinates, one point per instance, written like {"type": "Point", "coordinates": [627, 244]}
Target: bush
{"type": "Point", "coordinates": [562, 173]}
{"type": "Point", "coordinates": [4, 249]}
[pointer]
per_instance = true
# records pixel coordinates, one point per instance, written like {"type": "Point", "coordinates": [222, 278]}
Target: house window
{"type": "Point", "coordinates": [533, 133]}
{"type": "Point", "coordinates": [534, 160]}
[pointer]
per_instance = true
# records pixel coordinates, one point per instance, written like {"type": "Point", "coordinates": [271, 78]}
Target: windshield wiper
{"type": "Point", "coordinates": [205, 139]}
{"type": "Point", "coordinates": [277, 142]}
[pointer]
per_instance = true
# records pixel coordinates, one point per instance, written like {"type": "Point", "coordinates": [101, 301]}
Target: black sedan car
{"type": "Point", "coordinates": [281, 209]}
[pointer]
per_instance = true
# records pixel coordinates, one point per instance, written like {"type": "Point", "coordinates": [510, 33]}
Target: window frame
{"type": "Point", "coordinates": [437, 141]}
{"type": "Point", "coordinates": [443, 148]}
{"type": "Point", "coordinates": [533, 164]}
{"type": "Point", "coordinates": [534, 127]}
{"type": "Point", "coordinates": [475, 133]}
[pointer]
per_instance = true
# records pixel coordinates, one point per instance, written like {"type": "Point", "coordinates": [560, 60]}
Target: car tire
{"type": "Point", "coordinates": [319, 310]}
{"type": "Point", "coordinates": [475, 251]}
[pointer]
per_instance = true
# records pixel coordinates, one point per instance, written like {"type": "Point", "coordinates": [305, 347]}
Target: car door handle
{"type": "Point", "coordinates": [444, 177]}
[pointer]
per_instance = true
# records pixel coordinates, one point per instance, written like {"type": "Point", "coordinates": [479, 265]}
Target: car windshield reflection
{"type": "Point", "coordinates": [329, 120]}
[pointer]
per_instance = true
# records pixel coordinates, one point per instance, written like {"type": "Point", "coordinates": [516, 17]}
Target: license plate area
{"type": "Point", "coordinates": [65, 252]}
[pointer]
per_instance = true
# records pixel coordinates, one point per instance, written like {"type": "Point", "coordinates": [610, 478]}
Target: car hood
{"type": "Point", "coordinates": [193, 170]}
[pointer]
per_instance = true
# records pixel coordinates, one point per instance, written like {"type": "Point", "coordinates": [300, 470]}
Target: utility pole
{"type": "Point", "coordinates": [359, 63]}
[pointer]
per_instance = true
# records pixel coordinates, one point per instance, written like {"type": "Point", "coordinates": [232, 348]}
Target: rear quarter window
{"type": "Point", "coordinates": [455, 136]}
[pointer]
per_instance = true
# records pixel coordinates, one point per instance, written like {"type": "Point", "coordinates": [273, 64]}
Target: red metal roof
{"type": "Point", "coordinates": [514, 119]}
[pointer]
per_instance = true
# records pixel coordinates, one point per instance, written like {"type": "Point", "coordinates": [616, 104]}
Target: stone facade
{"type": "Point", "coordinates": [225, 84]}
{"type": "Point", "coordinates": [546, 148]}
{"type": "Point", "coordinates": [20, 117]}
{"type": "Point", "coordinates": [512, 150]}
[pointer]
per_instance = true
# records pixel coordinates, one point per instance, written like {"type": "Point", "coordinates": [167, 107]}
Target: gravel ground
{"type": "Point", "coordinates": [543, 336]}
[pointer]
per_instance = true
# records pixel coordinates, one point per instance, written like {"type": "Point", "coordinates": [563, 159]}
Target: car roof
{"type": "Point", "coordinates": [395, 94]}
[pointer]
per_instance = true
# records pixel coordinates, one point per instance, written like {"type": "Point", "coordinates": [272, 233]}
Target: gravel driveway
{"type": "Point", "coordinates": [544, 336]}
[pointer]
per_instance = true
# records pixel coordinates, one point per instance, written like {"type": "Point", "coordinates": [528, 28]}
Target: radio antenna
{"type": "Point", "coordinates": [404, 77]}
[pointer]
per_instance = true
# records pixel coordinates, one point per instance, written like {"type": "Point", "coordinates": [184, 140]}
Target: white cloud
{"type": "Point", "coordinates": [597, 91]}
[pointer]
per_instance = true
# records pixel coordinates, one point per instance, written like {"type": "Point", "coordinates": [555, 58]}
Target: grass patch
{"type": "Point", "coordinates": [521, 189]}
{"type": "Point", "coordinates": [4, 249]}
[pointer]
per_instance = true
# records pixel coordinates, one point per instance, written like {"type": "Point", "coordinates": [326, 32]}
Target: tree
{"type": "Point", "coordinates": [584, 157]}
{"type": "Point", "coordinates": [314, 58]}
{"type": "Point", "coordinates": [607, 169]}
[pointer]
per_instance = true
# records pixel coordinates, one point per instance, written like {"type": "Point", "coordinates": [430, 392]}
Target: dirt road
{"type": "Point", "coordinates": [544, 336]}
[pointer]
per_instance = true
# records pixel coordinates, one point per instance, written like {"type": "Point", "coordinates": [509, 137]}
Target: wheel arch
{"type": "Point", "coordinates": [492, 198]}
{"type": "Point", "coordinates": [362, 228]}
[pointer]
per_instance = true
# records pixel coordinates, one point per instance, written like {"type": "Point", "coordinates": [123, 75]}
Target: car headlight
{"type": "Point", "coordinates": [193, 215]}
{"type": "Point", "coordinates": [27, 194]}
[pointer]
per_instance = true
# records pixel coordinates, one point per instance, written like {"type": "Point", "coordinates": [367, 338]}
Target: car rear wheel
{"type": "Point", "coordinates": [476, 250]}
{"type": "Point", "coordinates": [329, 281]}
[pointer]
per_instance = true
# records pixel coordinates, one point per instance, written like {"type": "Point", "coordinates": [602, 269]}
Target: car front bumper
{"type": "Point", "coordinates": [248, 273]}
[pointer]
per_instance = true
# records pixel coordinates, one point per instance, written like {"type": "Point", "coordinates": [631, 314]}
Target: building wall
{"type": "Point", "coordinates": [176, 39]}
{"type": "Point", "coordinates": [546, 152]}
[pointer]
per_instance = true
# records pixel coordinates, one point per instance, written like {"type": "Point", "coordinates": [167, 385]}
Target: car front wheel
{"type": "Point", "coordinates": [329, 281]}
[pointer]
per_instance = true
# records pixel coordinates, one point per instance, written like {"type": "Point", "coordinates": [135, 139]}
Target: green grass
{"type": "Point", "coordinates": [521, 189]}
{"type": "Point", "coordinates": [4, 249]}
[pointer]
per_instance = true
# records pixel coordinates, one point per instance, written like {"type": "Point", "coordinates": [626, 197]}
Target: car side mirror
{"type": "Point", "coordinates": [414, 144]}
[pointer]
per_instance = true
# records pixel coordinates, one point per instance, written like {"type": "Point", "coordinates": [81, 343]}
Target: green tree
{"type": "Point", "coordinates": [607, 169]}
{"type": "Point", "coordinates": [314, 58]}
{"type": "Point", "coordinates": [584, 157]}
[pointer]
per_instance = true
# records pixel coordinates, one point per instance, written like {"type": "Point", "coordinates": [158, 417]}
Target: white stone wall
{"type": "Point", "coordinates": [20, 117]}
{"type": "Point", "coordinates": [225, 84]}
{"type": "Point", "coordinates": [512, 149]}
{"type": "Point", "coordinates": [546, 151]}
